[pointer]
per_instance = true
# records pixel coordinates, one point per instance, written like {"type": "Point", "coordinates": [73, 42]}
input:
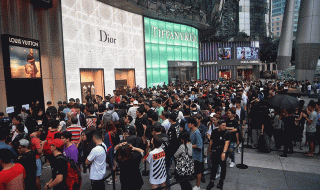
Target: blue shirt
{"type": "Point", "coordinates": [196, 139]}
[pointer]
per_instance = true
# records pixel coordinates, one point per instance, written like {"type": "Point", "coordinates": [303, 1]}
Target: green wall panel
{"type": "Point", "coordinates": [166, 41]}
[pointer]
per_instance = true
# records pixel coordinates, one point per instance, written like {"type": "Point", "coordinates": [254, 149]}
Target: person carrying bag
{"type": "Point", "coordinates": [184, 162]}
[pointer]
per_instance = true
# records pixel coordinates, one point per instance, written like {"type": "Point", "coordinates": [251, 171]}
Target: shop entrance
{"type": "Point", "coordinates": [124, 78]}
{"type": "Point", "coordinates": [226, 74]}
{"type": "Point", "coordinates": [92, 84]}
{"type": "Point", "coordinates": [181, 72]}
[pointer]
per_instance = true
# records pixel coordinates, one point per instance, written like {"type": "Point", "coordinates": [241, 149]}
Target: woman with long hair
{"type": "Point", "coordinates": [184, 149]}
{"type": "Point", "coordinates": [84, 147]}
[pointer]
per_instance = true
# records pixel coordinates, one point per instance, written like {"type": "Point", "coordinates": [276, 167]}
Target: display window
{"type": "Point", "coordinates": [92, 84]}
{"type": "Point", "coordinates": [182, 74]}
{"type": "Point", "coordinates": [124, 78]}
{"type": "Point", "coordinates": [225, 74]}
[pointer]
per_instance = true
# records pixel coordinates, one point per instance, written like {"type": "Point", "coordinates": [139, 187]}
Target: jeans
{"type": "Point", "coordinates": [233, 145]}
{"type": "Point", "coordinates": [255, 136]}
{"type": "Point", "coordinates": [168, 173]}
{"type": "Point", "coordinates": [97, 184]}
{"type": "Point", "coordinates": [216, 161]}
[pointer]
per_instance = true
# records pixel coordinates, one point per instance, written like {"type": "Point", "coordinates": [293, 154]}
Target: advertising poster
{"type": "Point", "coordinates": [24, 62]}
{"type": "Point", "coordinates": [247, 53]}
{"type": "Point", "coordinates": [224, 53]}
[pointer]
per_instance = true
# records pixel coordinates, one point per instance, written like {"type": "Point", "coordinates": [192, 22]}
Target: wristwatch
{"type": "Point", "coordinates": [224, 152]}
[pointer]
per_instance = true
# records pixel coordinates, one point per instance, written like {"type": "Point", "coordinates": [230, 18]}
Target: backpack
{"type": "Point", "coordinates": [107, 117]}
{"type": "Point", "coordinates": [73, 179]}
{"type": "Point", "coordinates": [47, 144]}
{"type": "Point", "coordinates": [110, 149]}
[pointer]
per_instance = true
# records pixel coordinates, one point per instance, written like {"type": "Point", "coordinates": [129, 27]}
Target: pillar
{"type": "Point", "coordinates": [308, 40]}
{"type": "Point", "coordinates": [286, 38]}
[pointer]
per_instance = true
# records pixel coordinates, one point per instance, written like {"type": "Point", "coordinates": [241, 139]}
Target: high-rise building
{"type": "Point", "coordinates": [278, 7]}
{"type": "Point", "coordinates": [245, 17]}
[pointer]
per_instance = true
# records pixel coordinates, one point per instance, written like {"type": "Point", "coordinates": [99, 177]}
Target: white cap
{"type": "Point", "coordinates": [212, 114]}
{"type": "Point", "coordinates": [135, 102]}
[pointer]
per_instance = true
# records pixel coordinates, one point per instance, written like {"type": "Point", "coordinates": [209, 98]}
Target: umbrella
{"type": "Point", "coordinates": [291, 92]}
{"type": "Point", "coordinates": [283, 101]}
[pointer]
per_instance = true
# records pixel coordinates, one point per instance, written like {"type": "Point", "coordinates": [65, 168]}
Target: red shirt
{"type": "Point", "coordinates": [13, 177]}
{"type": "Point", "coordinates": [50, 135]}
{"type": "Point", "coordinates": [35, 144]}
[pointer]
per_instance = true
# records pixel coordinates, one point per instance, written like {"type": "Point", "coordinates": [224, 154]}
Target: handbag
{"type": "Point", "coordinates": [185, 165]}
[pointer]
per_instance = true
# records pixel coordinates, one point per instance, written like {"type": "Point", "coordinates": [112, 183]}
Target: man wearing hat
{"type": "Point", "coordinates": [59, 167]}
{"type": "Point", "coordinates": [28, 161]}
{"type": "Point", "coordinates": [133, 110]}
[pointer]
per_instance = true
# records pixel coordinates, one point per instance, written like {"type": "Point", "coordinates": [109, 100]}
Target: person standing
{"type": "Point", "coordinates": [70, 150]}
{"type": "Point", "coordinates": [28, 161]}
{"type": "Point", "coordinates": [156, 159]}
{"type": "Point", "coordinates": [12, 175]}
{"type": "Point", "coordinates": [311, 129]}
{"type": "Point", "coordinates": [59, 167]}
{"type": "Point", "coordinates": [219, 144]}
{"type": "Point", "coordinates": [97, 159]}
{"type": "Point", "coordinates": [37, 147]}
{"type": "Point", "coordinates": [288, 123]}
{"type": "Point", "coordinates": [197, 145]}
{"type": "Point", "coordinates": [75, 130]}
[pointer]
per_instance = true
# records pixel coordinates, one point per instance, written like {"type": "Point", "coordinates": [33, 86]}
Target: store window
{"type": "Point", "coordinates": [92, 84]}
{"type": "Point", "coordinates": [226, 74]}
{"type": "Point", "coordinates": [180, 71]}
{"type": "Point", "coordinates": [124, 78]}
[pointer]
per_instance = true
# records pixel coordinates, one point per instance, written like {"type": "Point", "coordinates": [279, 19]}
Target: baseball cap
{"type": "Point", "coordinates": [24, 142]}
{"type": "Point", "coordinates": [212, 114]}
{"type": "Point", "coordinates": [57, 143]}
{"type": "Point", "coordinates": [59, 102]}
{"type": "Point", "coordinates": [135, 102]}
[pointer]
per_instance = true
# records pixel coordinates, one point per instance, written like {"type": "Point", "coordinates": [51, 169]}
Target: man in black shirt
{"type": "Point", "coordinates": [28, 161]}
{"type": "Point", "coordinates": [51, 111]}
{"type": "Point", "coordinates": [219, 144]}
{"type": "Point", "coordinates": [141, 119]}
{"type": "Point", "coordinates": [59, 167]}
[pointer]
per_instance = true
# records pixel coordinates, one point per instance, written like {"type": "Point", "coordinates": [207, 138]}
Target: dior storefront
{"type": "Point", "coordinates": [103, 48]}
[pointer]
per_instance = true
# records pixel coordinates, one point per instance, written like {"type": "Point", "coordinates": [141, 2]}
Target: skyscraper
{"type": "Point", "coordinates": [278, 7]}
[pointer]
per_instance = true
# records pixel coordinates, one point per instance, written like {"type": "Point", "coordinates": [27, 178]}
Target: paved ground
{"type": "Point", "coordinates": [265, 171]}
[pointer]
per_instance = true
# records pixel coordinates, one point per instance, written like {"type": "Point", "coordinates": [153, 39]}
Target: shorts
{"type": "Point", "coordinates": [198, 167]}
{"type": "Point", "coordinates": [311, 136]}
{"type": "Point", "coordinates": [39, 167]}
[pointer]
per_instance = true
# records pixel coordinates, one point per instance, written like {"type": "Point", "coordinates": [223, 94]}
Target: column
{"type": "Point", "coordinates": [308, 40]}
{"type": "Point", "coordinates": [286, 38]}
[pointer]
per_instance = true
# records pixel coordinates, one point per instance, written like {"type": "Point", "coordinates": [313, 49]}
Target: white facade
{"type": "Point", "coordinates": [85, 48]}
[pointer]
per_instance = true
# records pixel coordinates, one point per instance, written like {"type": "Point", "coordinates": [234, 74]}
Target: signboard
{"type": "Point", "coordinates": [182, 64]}
{"type": "Point", "coordinates": [247, 53]}
{"type": "Point", "coordinates": [10, 109]}
{"type": "Point", "coordinates": [236, 62]}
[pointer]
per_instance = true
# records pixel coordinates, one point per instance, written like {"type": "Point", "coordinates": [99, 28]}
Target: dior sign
{"type": "Point", "coordinates": [104, 37]}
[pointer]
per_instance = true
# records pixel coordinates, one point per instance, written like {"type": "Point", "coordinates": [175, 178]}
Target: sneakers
{"type": "Point", "coordinates": [239, 151]}
{"type": "Point", "coordinates": [217, 175]}
{"type": "Point", "coordinates": [232, 164]}
{"type": "Point", "coordinates": [282, 156]}
{"type": "Point", "coordinates": [210, 185]}
{"type": "Point", "coordinates": [196, 188]}
{"type": "Point", "coordinates": [207, 172]}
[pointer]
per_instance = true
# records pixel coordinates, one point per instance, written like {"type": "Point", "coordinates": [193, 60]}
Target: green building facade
{"type": "Point", "coordinates": [170, 42]}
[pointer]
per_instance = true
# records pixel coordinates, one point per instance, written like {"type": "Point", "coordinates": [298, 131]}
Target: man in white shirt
{"type": "Point", "coordinates": [133, 110]}
{"type": "Point", "coordinates": [166, 123]}
{"type": "Point", "coordinates": [97, 159]}
{"type": "Point", "coordinates": [15, 122]}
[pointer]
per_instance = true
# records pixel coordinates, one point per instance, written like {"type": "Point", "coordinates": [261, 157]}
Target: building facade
{"type": "Point", "coordinates": [103, 48]}
{"type": "Point", "coordinates": [278, 7]}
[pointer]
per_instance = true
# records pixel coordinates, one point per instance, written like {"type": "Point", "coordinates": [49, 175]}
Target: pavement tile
{"type": "Point", "coordinates": [301, 168]}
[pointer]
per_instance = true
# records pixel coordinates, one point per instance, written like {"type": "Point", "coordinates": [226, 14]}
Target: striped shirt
{"type": "Point", "coordinates": [76, 132]}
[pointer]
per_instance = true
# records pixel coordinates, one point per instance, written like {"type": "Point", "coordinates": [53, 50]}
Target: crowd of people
{"type": "Point", "coordinates": [158, 126]}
